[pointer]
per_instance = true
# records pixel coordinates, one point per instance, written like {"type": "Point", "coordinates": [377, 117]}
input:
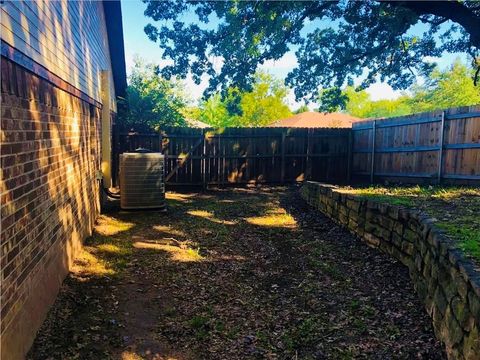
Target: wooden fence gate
{"type": "Point", "coordinates": [247, 155]}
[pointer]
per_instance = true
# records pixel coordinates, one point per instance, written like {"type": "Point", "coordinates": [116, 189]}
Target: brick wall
{"type": "Point", "coordinates": [50, 152]}
{"type": "Point", "coordinates": [447, 282]}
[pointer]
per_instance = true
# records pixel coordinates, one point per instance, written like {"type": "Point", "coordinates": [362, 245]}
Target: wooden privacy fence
{"type": "Point", "coordinates": [421, 147]}
{"type": "Point", "coordinates": [247, 155]}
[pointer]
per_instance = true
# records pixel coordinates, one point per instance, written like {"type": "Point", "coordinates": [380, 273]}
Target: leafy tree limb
{"type": "Point", "coordinates": [352, 39]}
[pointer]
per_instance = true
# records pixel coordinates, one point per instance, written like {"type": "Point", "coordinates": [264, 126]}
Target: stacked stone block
{"type": "Point", "coordinates": [446, 281]}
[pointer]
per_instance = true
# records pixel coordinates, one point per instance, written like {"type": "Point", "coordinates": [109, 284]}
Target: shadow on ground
{"type": "Point", "coordinates": [234, 274]}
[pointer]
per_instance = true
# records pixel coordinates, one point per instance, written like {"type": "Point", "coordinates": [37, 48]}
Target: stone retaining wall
{"type": "Point", "coordinates": [447, 282]}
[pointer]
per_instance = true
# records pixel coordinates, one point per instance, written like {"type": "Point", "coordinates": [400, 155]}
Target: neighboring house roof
{"type": "Point", "coordinates": [313, 119]}
{"type": "Point", "coordinates": [196, 124]}
{"type": "Point", "coordinates": [113, 19]}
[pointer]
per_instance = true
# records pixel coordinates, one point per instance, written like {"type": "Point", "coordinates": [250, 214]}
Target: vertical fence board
{"type": "Point", "coordinates": [248, 155]}
{"type": "Point", "coordinates": [411, 148]}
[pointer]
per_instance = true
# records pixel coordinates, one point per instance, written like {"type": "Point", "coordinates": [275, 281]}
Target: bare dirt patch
{"type": "Point", "coordinates": [234, 274]}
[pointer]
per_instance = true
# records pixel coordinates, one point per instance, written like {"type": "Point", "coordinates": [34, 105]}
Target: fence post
{"type": "Point", "coordinates": [282, 164]}
{"type": "Point", "coordinates": [204, 160]}
{"type": "Point", "coordinates": [349, 156]}
{"type": "Point", "coordinates": [308, 161]}
{"type": "Point", "coordinates": [159, 141]}
{"type": "Point", "coordinates": [372, 169]}
{"type": "Point", "coordinates": [440, 148]}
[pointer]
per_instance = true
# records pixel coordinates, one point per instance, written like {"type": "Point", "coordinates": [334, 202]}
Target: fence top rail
{"type": "Point", "coordinates": [254, 129]}
{"type": "Point", "coordinates": [385, 123]}
{"type": "Point", "coordinates": [462, 116]}
{"type": "Point", "coordinates": [241, 132]}
{"type": "Point", "coordinates": [422, 118]}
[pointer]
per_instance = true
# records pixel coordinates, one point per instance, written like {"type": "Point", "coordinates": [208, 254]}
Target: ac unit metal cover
{"type": "Point", "coordinates": [142, 184]}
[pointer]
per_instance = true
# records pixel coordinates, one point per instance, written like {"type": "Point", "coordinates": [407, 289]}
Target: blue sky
{"type": "Point", "coordinates": [137, 43]}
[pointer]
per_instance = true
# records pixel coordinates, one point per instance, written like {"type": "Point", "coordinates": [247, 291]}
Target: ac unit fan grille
{"type": "Point", "coordinates": [142, 183]}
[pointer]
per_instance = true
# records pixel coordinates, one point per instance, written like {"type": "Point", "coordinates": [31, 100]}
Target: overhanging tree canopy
{"type": "Point", "coordinates": [367, 39]}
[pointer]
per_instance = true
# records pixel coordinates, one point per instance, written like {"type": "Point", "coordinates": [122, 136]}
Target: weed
{"type": "Point", "coordinates": [219, 326]}
{"type": "Point", "coordinates": [392, 331]}
{"type": "Point", "coordinates": [198, 322]}
{"type": "Point", "coordinates": [169, 311]}
{"type": "Point", "coordinates": [301, 336]}
{"type": "Point", "coordinates": [368, 311]}
{"type": "Point", "coordinates": [360, 325]}
{"type": "Point", "coordinates": [233, 332]}
{"type": "Point", "coordinates": [200, 325]}
{"type": "Point", "coordinates": [354, 305]}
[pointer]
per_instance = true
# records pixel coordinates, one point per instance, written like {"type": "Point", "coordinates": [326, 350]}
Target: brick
{"type": "Point", "coordinates": [36, 189]}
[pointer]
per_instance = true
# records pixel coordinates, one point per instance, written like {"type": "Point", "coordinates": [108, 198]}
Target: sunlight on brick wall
{"type": "Point", "coordinates": [50, 153]}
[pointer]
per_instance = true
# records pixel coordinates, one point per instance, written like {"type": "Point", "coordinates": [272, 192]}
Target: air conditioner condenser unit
{"type": "Point", "coordinates": [142, 181]}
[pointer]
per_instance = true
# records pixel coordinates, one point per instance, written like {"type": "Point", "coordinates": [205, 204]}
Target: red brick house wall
{"type": "Point", "coordinates": [50, 152]}
{"type": "Point", "coordinates": [58, 59]}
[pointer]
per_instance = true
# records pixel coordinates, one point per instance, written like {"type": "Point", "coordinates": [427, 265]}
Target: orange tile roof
{"type": "Point", "coordinates": [316, 119]}
{"type": "Point", "coordinates": [196, 124]}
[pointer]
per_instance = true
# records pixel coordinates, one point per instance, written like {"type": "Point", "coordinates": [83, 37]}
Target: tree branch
{"type": "Point", "coordinates": [406, 53]}
{"type": "Point", "coordinates": [434, 23]}
{"type": "Point", "coordinates": [451, 10]}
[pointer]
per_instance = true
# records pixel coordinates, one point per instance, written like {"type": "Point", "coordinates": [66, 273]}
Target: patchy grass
{"type": "Point", "coordinates": [237, 274]}
{"type": "Point", "coordinates": [83, 323]}
{"type": "Point", "coordinates": [455, 209]}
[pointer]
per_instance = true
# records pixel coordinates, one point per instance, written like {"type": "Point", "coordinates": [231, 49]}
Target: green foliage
{"type": "Point", "coordinates": [153, 101]}
{"type": "Point", "coordinates": [360, 105]}
{"type": "Point", "coordinates": [214, 112]}
{"type": "Point", "coordinates": [260, 106]}
{"type": "Point", "coordinates": [301, 109]}
{"type": "Point", "coordinates": [452, 87]}
{"type": "Point", "coordinates": [191, 112]}
{"type": "Point", "coordinates": [348, 39]}
{"type": "Point", "coordinates": [303, 335]}
{"type": "Point", "coordinates": [445, 89]}
{"type": "Point", "coordinates": [332, 99]}
{"type": "Point", "coordinates": [264, 104]}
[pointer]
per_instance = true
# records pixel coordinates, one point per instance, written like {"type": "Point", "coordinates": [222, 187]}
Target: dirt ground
{"type": "Point", "coordinates": [234, 274]}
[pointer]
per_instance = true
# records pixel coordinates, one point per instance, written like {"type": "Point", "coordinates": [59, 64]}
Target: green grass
{"type": "Point", "coordinates": [200, 326]}
{"type": "Point", "coordinates": [455, 208]}
{"type": "Point", "coordinates": [467, 234]}
{"type": "Point", "coordinates": [303, 335]}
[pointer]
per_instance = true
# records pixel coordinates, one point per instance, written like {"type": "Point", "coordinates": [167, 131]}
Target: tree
{"type": "Point", "coordinates": [352, 38]}
{"type": "Point", "coordinates": [444, 89]}
{"type": "Point", "coordinates": [214, 112]}
{"type": "Point", "coordinates": [191, 112]}
{"type": "Point", "coordinates": [261, 106]}
{"type": "Point", "coordinates": [301, 109]}
{"type": "Point", "coordinates": [153, 101]}
{"type": "Point", "coordinates": [360, 105]}
{"type": "Point", "coordinates": [265, 103]}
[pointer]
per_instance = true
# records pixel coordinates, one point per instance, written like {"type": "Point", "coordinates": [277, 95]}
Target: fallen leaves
{"type": "Point", "coordinates": [236, 274]}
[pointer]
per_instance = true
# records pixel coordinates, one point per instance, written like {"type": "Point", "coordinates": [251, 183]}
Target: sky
{"type": "Point", "coordinates": [137, 43]}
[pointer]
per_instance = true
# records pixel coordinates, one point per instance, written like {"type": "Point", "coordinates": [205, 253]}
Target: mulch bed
{"type": "Point", "coordinates": [236, 274]}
